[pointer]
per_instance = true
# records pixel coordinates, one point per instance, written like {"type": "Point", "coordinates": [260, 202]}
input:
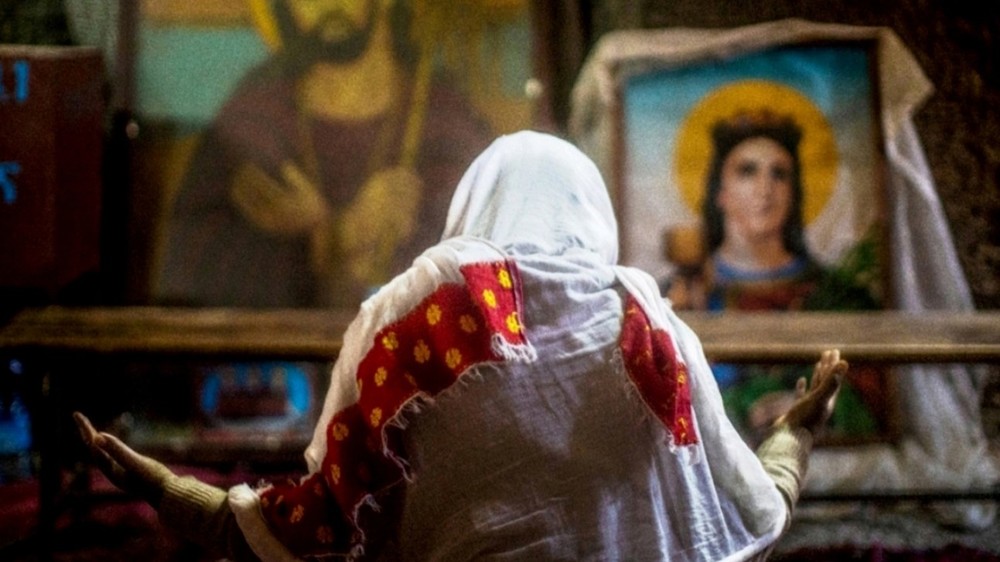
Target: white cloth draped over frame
{"type": "Point", "coordinates": [551, 447]}
{"type": "Point", "coordinates": [944, 445]}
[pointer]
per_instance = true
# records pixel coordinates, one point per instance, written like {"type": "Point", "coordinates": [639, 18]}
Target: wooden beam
{"type": "Point", "coordinates": [885, 337]}
{"type": "Point", "coordinates": [185, 332]}
{"type": "Point", "coordinates": [888, 337]}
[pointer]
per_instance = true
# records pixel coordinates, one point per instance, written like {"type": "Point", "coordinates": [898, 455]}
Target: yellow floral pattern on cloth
{"type": "Point", "coordinates": [658, 374]}
{"type": "Point", "coordinates": [421, 354]}
{"type": "Point", "coordinates": [489, 298]}
{"type": "Point", "coordinates": [301, 514]}
{"type": "Point", "coordinates": [390, 341]}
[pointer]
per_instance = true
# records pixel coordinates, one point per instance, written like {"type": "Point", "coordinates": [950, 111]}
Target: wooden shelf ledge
{"type": "Point", "coordinates": [315, 335]}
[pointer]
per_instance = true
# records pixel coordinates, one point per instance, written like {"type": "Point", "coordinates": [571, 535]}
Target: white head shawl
{"type": "Point", "coordinates": [531, 193]}
{"type": "Point", "coordinates": [539, 201]}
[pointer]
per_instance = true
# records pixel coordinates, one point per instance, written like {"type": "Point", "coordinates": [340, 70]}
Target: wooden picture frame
{"type": "Point", "coordinates": [278, 165]}
{"type": "Point", "coordinates": [362, 129]}
{"type": "Point", "coordinates": [754, 181]}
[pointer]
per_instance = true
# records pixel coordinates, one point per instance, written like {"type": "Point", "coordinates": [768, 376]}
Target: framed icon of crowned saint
{"type": "Point", "coordinates": [749, 178]}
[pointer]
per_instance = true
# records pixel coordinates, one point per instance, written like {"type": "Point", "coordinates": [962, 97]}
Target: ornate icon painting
{"type": "Point", "coordinates": [753, 183]}
{"type": "Point", "coordinates": [300, 153]}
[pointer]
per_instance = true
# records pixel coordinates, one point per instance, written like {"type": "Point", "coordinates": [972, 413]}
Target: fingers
{"type": "Point", "coordinates": [830, 363]}
{"type": "Point", "coordinates": [828, 375]}
{"type": "Point", "coordinates": [839, 365]}
{"type": "Point", "coordinates": [122, 453]}
{"type": "Point", "coordinates": [832, 356]}
{"type": "Point", "coordinates": [88, 434]}
{"type": "Point", "coordinates": [300, 193]}
{"type": "Point", "coordinates": [95, 443]}
{"type": "Point", "coordinates": [149, 471]}
{"type": "Point", "coordinates": [106, 448]}
{"type": "Point", "coordinates": [114, 471]}
{"type": "Point", "coordinates": [827, 359]}
{"type": "Point", "coordinates": [296, 180]}
{"type": "Point", "coordinates": [815, 401]}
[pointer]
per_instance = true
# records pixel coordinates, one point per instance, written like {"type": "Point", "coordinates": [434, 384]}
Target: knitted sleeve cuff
{"type": "Point", "coordinates": [785, 457]}
{"type": "Point", "coordinates": [201, 514]}
{"type": "Point", "coordinates": [193, 509]}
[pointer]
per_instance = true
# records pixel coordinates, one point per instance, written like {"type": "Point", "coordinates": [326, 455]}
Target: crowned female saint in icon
{"type": "Point", "coordinates": [759, 161]}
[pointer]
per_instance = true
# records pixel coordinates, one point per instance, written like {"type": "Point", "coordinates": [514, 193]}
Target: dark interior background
{"type": "Point", "coordinates": [953, 40]}
{"type": "Point", "coordinates": [955, 43]}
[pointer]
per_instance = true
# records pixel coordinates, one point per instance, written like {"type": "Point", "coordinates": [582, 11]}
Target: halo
{"type": "Point", "coordinates": [817, 150]}
{"type": "Point", "coordinates": [262, 13]}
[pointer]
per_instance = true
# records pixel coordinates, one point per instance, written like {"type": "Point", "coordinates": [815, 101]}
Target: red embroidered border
{"type": "Point", "coordinates": [658, 374]}
{"type": "Point", "coordinates": [423, 353]}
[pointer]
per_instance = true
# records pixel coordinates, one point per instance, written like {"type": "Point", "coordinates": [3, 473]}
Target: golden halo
{"type": "Point", "coordinates": [817, 150]}
{"type": "Point", "coordinates": [262, 13]}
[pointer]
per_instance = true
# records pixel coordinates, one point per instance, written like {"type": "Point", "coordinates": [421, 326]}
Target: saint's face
{"type": "Point", "coordinates": [334, 31]}
{"type": "Point", "coordinates": [331, 21]}
{"type": "Point", "coordinates": [756, 191]}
